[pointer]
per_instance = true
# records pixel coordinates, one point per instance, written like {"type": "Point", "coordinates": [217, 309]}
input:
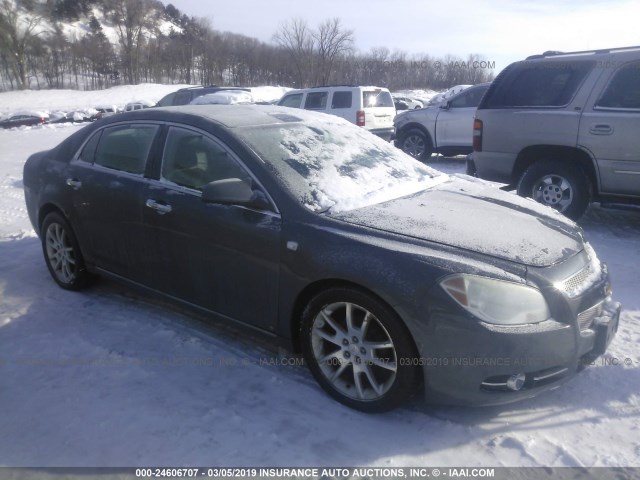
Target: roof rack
{"type": "Point", "coordinates": [555, 53]}
{"type": "Point", "coordinates": [335, 85]}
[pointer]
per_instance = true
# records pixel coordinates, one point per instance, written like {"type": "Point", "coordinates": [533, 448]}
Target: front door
{"type": "Point", "coordinates": [224, 258]}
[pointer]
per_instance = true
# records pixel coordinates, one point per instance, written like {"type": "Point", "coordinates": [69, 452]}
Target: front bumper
{"type": "Point", "coordinates": [468, 362]}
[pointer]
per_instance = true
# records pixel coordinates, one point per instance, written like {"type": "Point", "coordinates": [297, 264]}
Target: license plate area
{"type": "Point", "coordinates": [605, 327]}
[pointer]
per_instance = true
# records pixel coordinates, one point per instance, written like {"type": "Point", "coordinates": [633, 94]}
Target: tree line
{"type": "Point", "coordinates": [35, 52]}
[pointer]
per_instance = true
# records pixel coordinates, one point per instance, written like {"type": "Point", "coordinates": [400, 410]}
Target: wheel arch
{"type": "Point", "coordinates": [45, 210]}
{"type": "Point", "coordinates": [531, 154]}
{"type": "Point", "coordinates": [313, 289]}
{"type": "Point", "coordinates": [416, 126]}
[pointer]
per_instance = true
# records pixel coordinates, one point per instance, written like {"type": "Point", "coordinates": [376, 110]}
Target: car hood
{"type": "Point", "coordinates": [476, 216]}
{"type": "Point", "coordinates": [416, 114]}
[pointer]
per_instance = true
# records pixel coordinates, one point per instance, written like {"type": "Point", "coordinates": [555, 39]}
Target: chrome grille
{"type": "Point", "coordinates": [576, 281]}
{"type": "Point", "coordinates": [585, 319]}
{"type": "Point", "coordinates": [580, 281]}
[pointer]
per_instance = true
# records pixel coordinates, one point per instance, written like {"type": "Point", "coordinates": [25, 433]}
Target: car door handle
{"type": "Point", "coordinates": [161, 208]}
{"type": "Point", "coordinates": [74, 183]}
{"type": "Point", "coordinates": [601, 129]}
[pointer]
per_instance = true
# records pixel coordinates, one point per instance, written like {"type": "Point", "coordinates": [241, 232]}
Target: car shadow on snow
{"type": "Point", "coordinates": [107, 377]}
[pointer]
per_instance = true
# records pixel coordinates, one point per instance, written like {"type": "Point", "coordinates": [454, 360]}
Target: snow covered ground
{"type": "Point", "coordinates": [106, 377]}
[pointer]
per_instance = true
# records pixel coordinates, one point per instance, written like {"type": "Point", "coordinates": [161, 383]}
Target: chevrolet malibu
{"type": "Point", "coordinates": [391, 279]}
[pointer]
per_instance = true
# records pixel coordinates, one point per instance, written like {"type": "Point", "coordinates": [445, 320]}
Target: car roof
{"type": "Point", "coordinates": [623, 52]}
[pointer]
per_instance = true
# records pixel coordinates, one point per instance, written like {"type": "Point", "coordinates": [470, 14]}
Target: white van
{"type": "Point", "coordinates": [368, 107]}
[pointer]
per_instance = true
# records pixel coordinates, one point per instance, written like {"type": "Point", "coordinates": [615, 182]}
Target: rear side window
{"type": "Point", "coordinates": [341, 100]}
{"type": "Point", "coordinates": [292, 100]}
{"type": "Point", "coordinates": [545, 84]}
{"type": "Point", "coordinates": [88, 153]}
{"type": "Point", "coordinates": [316, 101]}
{"type": "Point", "coordinates": [624, 90]}
{"type": "Point", "coordinates": [377, 98]}
{"type": "Point", "coordinates": [125, 148]}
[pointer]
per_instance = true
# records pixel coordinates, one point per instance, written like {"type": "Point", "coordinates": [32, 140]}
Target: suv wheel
{"type": "Point", "coordinates": [417, 144]}
{"type": "Point", "coordinates": [560, 186]}
{"type": "Point", "coordinates": [358, 350]}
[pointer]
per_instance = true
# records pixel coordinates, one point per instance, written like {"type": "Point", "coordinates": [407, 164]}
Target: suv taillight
{"type": "Point", "coordinates": [477, 135]}
{"type": "Point", "coordinates": [360, 118]}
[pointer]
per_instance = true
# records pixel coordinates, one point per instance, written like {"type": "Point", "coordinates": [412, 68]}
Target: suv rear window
{"type": "Point", "coordinates": [341, 100]}
{"type": "Point", "coordinates": [377, 98]}
{"type": "Point", "coordinates": [540, 84]}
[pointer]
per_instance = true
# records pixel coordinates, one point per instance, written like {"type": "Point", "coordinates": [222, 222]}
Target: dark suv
{"type": "Point", "coordinates": [184, 96]}
{"type": "Point", "coordinates": [564, 128]}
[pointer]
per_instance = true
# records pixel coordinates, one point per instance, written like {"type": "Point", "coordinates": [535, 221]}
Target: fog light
{"type": "Point", "coordinates": [516, 382]}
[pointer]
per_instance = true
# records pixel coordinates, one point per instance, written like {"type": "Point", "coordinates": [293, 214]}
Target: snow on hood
{"type": "Point", "coordinates": [480, 218]}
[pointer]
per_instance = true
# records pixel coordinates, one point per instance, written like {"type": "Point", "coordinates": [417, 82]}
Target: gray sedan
{"type": "Point", "coordinates": [391, 278]}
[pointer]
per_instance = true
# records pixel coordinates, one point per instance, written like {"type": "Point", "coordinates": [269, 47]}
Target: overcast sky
{"type": "Point", "coordinates": [502, 31]}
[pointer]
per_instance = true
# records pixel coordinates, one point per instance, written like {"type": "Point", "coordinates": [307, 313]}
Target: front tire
{"type": "Point", "coordinates": [62, 253]}
{"type": "Point", "coordinates": [563, 187]}
{"type": "Point", "coordinates": [358, 350]}
{"type": "Point", "coordinates": [417, 144]}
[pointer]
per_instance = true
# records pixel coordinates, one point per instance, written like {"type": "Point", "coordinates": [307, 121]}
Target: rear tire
{"type": "Point", "coordinates": [359, 350]}
{"type": "Point", "coordinates": [558, 185]}
{"type": "Point", "coordinates": [62, 253]}
{"type": "Point", "coordinates": [417, 144]}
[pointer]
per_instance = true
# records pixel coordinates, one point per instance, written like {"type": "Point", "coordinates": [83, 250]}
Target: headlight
{"type": "Point", "coordinates": [497, 301]}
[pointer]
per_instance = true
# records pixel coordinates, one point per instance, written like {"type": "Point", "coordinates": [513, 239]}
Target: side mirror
{"type": "Point", "coordinates": [234, 191]}
{"type": "Point", "coordinates": [445, 106]}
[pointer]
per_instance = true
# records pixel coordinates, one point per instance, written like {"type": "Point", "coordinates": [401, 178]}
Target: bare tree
{"type": "Point", "coordinates": [297, 40]}
{"type": "Point", "coordinates": [331, 40]}
{"type": "Point", "coordinates": [132, 19]}
{"type": "Point", "coordinates": [17, 32]}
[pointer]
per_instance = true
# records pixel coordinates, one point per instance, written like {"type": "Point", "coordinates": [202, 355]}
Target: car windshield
{"type": "Point", "coordinates": [332, 164]}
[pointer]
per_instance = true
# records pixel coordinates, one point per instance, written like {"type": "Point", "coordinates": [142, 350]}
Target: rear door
{"type": "Point", "coordinates": [342, 104]}
{"type": "Point", "coordinates": [379, 108]}
{"type": "Point", "coordinates": [107, 181]}
{"type": "Point", "coordinates": [610, 130]}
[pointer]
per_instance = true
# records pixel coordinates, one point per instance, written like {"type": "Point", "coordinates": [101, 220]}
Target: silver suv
{"type": "Point", "coordinates": [564, 128]}
{"type": "Point", "coordinates": [445, 128]}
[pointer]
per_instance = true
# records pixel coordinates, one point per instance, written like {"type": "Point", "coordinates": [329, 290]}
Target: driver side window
{"type": "Point", "coordinates": [192, 160]}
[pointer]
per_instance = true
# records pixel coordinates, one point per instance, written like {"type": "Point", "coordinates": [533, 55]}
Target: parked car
{"type": "Point", "coordinates": [224, 97]}
{"type": "Point", "coordinates": [400, 105]}
{"type": "Point", "coordinates": [445, 129]}
{"type": "Point", "coordinates": [447, 94]}
{"type": "Point", "coordinates": [369, 107]}
{"type": "Point", "coordinates": [76, 116]}
{"type": "Point", "coordinates": [138, 105]}
{"type": "Point", "coordinates": [185, 96]}
{"type": "Point", "coordinates": [390, 277]}
{"type": "Point", "coordinates": [103, 111]}
{"type": "Point", "coordinates": [563, 129]}
{"type": "Point", "coordinates": [22, 120]}
{"type": "Point", "coordinates": [411, 103]}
